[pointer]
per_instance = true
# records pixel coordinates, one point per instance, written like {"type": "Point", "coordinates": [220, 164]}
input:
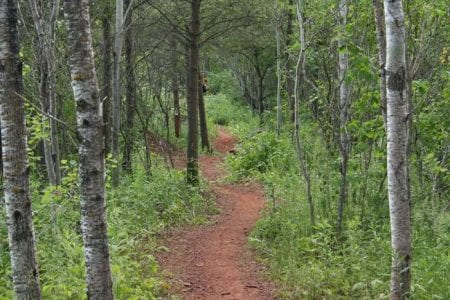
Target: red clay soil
{"type": "Point", "coordinates": [213, 261]}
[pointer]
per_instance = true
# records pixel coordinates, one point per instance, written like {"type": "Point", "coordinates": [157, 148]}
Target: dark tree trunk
{"type": "Point", "coordinates": [130, 94]}
{"type": "Point", "coordinates": [175, 88]}
{"type": "Point", "coordinates": [203, 121]}
{"type": "Point", "coordinates": [15, 160]}
{"type": "Point", "coordinates": [192, 151]}
{"type": "Point", "coordinates": [107, 75]}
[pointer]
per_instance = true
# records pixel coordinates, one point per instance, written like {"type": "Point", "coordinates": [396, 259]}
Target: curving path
{"type": "Point", "coordinates": [213, 261]}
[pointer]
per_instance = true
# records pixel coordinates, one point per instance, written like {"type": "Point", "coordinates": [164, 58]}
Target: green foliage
{"type": "Point", "coordinates": [313, 263]}
{"type": "Point", "coordinates": [137, 210]}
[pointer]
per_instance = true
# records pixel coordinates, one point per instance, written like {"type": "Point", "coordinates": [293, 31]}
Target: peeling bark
{"type": "Point", "coordinates": [17, 197]}
{"type": "Point", "coordinates": [91, 149]}
{"type": "Point", "coordinates": [397, 149]}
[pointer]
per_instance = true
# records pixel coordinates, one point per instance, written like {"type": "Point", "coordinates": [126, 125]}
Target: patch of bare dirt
{"type": "Point", "coordinates": [213, 261]}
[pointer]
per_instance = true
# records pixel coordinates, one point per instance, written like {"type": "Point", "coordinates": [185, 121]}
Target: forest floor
{"type": "Point", "coordinates": [213, 261]}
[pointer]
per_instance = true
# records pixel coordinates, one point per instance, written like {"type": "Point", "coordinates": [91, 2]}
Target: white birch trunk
{"type": "Point", "coordinates": [91, 149]}
{"type": "Point", "coordinates": [15, 161]}
{"type": "Point", "coordinates": [344, 105]}
{"type": "Point", "coordinates": [397, 163]}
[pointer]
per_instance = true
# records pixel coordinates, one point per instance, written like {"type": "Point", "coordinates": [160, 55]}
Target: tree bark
{"type": "Point", "coordinates": [344, 106]}
{"type": "Point", "coordinates": [202, 117]}
{"type": "Point", "coordinates": [107, 75]}
{"type": "Point", "coordinates": [397, 162]}
{"type": "Point", "coordinates": [175, 87]}
{"type": "Point", "coordinates": [192, 151]}
{"type": "Point", "coordinates": [116, 104]}
{"type": "Point", "coordinates": [279, 75]}
{"type": "Point", "coordinates": [381, 45]}
{"type": "Point", "coordinates": [91, 149]}
{"type": "Point", "coordinates": [15, 160]}
{"type": "Point", "coordinates": [130, 93]}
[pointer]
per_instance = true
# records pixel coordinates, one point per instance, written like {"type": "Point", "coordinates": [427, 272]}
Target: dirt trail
{"type": "Point", "coordinates": [213, 261]}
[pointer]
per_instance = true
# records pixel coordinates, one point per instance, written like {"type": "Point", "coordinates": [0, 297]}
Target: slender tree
{"type": "Point", "coordinates": [397, 137]}
{"type": "Point", "coordinates": [344, 139]}
{"type": "Point", "coordinates": [91, 149]}
{"type": "Point", "coordinates": [116, 103]}
{"type": "Point", "coordinates": [202, 117]}
{"type": "Point", "coordinates": [279, 70]}
{"type": "Point", "coordinates": [381, 45]}
{"type": "Point", "coordinates": [15, 161]}
{"type": "Point", "coordinates": [300, 72]}
{"type": "Point", "coordinates": [193, 75]}
{"type": "Point", "coordinates": [130, 89]}
{"type": "Point", "coordinates": [106, 90]}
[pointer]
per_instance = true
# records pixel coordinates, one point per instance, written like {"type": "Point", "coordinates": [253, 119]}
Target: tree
{"type": "Point", "coordinates": [397, 162]}
{"type": "Point", "coordinates": [46, 30]}
{"type": "Point", "coordinates": [344, 139]}
{"type": "Point", "coordinates": [193, 85]}
{"type": "Point", "coordinates": [300, 74]}
{"type": "Point", "coordinates": [106, 89]}
{"type": "Point", "coordinates": [116, 103]}
{"type": "Point", "coordinates": [130, 88]}
{"type": "Point", "coordinates": [15, 160]}
{"type": "Point", "coordinates": [91, 149]}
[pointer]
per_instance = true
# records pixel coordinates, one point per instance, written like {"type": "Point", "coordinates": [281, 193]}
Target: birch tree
{"type": "Point", "coordinates": [344, 106]}
{"type": "Point", "coordinates": [46, 30]}
{"type": "Point", "coordinates": [91, 149]}
{"type": "Point", "coordinates": [397, 162]}
{"type": "Point", "coordinates": [15, 161]}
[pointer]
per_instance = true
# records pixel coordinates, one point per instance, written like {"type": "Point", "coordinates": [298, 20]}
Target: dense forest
{"type": "Point", "coordinates": [148, 146]}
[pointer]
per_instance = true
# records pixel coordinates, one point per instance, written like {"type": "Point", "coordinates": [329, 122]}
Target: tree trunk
{"type": "Point", "coordinates": [344, 106]}
{"type": "Point", "coordinates": [279, 75]}
{"type": "Point", "coordinates": [15, 160]}
{"type": "Point", "coordinates": [202, 115]}
{"type": "Point", "coordinates": [192, 151]}
{"type": "Point", "coordinates": [397, 162]}
{"type": "Point", "coordinates": [116, 92]}
{"type": "Point", "coordinates": [175, 88]}
{"type": "Point", "coordinates": [107, 75]}
{"type": "Point", "coordinates": [381, 44]}
{"type": "Point", "coordinates": [298, 145]}
{"type": "Point", "coordinates": [91, 149]}
{"type": "Point", "coordinates": [130, 94]}
{"type": "Point", "coordinates": [289, 76]}
{"type": "Point", "coordinates": [46, 30]}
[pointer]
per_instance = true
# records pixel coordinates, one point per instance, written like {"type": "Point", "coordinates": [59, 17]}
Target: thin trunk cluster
{"type": "Point", "coordinates": [91, 149]}
{"type": "Point", "coordinates": [15, 160]}
{"type": "Point", "coordinates": [300, 74]}
{"type": "Point", "coordinates": [46, 34]}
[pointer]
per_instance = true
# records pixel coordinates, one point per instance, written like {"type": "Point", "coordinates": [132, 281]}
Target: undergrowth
{"type": "Point", "coordinates": [139, 209]}
{"type": "Point", "coordinates": [312, 262]}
